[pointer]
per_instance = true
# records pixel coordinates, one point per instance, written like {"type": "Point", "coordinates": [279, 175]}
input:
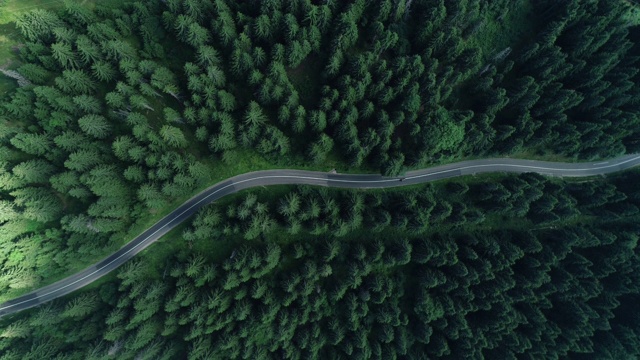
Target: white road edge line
{"type": "Point", "coordinates": [305, 178]}
{"type": "Point", "coordinates": [523, 166]}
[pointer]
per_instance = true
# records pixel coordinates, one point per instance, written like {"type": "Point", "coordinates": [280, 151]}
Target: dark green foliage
{"type": "Point", "coordinates": [125, 102]}
{"type": "Point", "coordinates": [568, 291]}
{"type": "Point", "coordinates": [89, 79]}
{"type": "Point", "coordinates": [391, 75]}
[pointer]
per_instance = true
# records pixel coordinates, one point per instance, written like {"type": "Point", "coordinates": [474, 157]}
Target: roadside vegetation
{"type": "Point", "coordinates": [633, 14]}
{"type": "Point", "coordinates": [112, 112]}
{"type": "Point", "coordinates": [431, 279]}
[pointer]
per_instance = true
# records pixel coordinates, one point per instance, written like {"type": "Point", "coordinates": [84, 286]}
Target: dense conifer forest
{"type": "Point", "coordinates": [120, 112]}
{"type": "Point", "coordinates": [433, 278]}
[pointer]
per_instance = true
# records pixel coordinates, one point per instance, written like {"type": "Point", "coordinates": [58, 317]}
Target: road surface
{"type": "Point", "coordinates": [300, 177]}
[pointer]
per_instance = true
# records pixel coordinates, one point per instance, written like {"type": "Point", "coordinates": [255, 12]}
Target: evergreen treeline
{"type": "Point", "coordinates": [88, 147]}
{"type": "Point", "coordinates": [120, 107]}
{"type": "Point", "coordinates": [564, 291]}
{"type": "Point", "coordinates": [527, 200]}
{"type": "Point", "coordinates": [396, 84]}
{"type": "Point", "coordinates": [573, 90]}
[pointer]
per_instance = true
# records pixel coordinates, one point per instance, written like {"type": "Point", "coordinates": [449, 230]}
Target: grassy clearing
{"type": "Point", "coordinates": [8, 56]}
{"type": "Point", "coordinates": [545, 156]}
{"type": "Point", "coordinates": [10, 9]}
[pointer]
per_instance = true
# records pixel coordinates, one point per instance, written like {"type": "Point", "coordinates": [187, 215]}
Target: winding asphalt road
{"type": "Point", "coordinates": [300, 177]}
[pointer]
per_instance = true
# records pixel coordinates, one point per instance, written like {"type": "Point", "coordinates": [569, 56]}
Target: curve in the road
{"type": "Point", "coordinates": [301, 177]}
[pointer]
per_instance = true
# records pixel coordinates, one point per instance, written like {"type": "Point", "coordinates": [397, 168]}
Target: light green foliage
{"type": "Point", "coordinates": [39, 203]}
{"type": "Point", "coordinates": [172, 116]}
{"type": "Point", "coordinates": [164, 80]}
{"type": "Point", "coordinates": [132, 108]}
{"type": "Point", "coordinates": [75, 82]}
{"type": "Point", "coordinates": [448, 133]}
{"type": "Point", "coordinates": [89, 52]}
{"type": "Point", "coordinates": [88, 104]}
{"type": "Point", "coordinates": [82, 160]}
{"type": "Point", "coordinates": [33, 171]}
{"type": "Point", "coordinates": [633, 14]}
{"type": "Point", "coordinates": [18, 329]}
{"type": "Point", "coordinates": [37, 24]}
{"type": "Point", "coordinates": [7, 211]}
{"type": "Point", "coordinates": [34, 73]}
{"type": "Point", "coordinates": [81, 306]}
{"type": "Point", "coordinates": [173, 136]}
{"type": "Point", "coordinates": [34, 144]}
{"type": "Point", "coordinates": [392, 293]}
{"type": "Point", "coordinates": [64, 54]}
{"type": "Point", "coordinates": [95, 125]}
{"type": "Point", "coordinates": [103, 71]}
{"type": "Point", "coordinates": [119, 50]}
